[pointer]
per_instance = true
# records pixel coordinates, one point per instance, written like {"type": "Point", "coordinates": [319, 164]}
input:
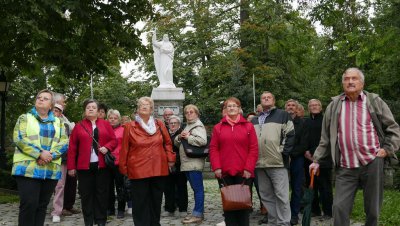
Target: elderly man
{"type": "Point", "coordinates": [296, 159]}
{"type": "Point", "coordinates": [358, 131]}
{"type": "Point", "coordinates": [275, 142]}
{"type": "Point", "coordinates": [168, 112]}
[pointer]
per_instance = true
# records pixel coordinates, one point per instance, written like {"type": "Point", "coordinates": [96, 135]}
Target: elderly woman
{"type": "Point", "coordinates": [40, 141]}
{"type": "Point", "coordinates": [176, 187]}
{"type": "Point", "coordinates": [146, 157]}
{"type": "Point", "coordinates": [117, 179]}
{"type": "Point", "coordinates": [233, 154]}
{"type": "Point", "coordinates": [195, 133]}
{"type": "Point", "coordinates": [90, 140]}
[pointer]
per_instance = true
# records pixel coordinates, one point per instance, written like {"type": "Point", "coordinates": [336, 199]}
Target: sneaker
{"type": "Point", "coordinates": [120, 215]}
{"type": "Point", "coordinates": [56, 219]}
{"type": "Point", "coordinates": [129, 211]}
{"type": "Point", "coordinates": [221, 223]}
{"type": "Point", "coordinates": [193, 220]}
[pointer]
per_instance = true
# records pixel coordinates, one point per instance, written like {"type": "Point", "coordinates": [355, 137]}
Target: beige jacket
{"type": "Point", "coordinates": [198, 137]}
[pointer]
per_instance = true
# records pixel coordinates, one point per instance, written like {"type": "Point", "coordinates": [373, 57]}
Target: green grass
{"type": "Point", "coordinates": [390, 214]}
{"type": "Point", "coordinates": [8, 198]}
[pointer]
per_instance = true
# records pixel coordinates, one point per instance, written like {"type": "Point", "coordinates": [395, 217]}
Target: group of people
{"type": "Point", "coordinates": [274, 149]}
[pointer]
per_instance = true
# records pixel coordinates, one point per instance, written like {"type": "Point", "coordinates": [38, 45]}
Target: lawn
{"type": "Point", "coordinates": [7, 198]}
{"type": "Point", "coordinates": [390, 214]}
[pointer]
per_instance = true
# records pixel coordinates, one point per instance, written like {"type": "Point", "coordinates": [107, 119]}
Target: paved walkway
{"type": "Point", "coordinates": [213, 212]}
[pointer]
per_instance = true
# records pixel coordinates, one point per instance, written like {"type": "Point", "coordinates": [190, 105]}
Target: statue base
{"type": "Point", "coordinates": [168, 98]}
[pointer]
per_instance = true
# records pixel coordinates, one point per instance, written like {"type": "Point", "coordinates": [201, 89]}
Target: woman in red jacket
{"type": "Point", "coordinates": [233, 154]}
{"type": "Point", "coordinates": [90, 140]}
{"type": "Point", "coordinates": [146, 157]}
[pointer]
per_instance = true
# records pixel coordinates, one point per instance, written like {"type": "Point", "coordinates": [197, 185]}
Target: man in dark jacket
{"type": "Point", "coordinates": [296, 160]}
{"type": "Point", "coordinates": [358, 131]}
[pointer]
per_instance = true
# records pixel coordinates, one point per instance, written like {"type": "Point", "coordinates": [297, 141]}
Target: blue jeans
{"type": "Point", "coordinates": [195, 179]}
{"type": "Point", "coordinates": [296, 183]}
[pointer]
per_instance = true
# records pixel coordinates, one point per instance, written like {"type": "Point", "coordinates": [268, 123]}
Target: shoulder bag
{"type": "Point", "coordinates": [192, 151]}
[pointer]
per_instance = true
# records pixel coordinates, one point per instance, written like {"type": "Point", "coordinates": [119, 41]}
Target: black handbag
{"type": "Point", "coordinates": [192, 151]}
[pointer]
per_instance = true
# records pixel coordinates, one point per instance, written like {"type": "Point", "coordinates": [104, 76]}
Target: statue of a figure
{"type": "Point", "coordinates": [163, 59]}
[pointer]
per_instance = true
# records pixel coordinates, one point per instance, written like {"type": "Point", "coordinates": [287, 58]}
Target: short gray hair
{"type": "Point", "coordinates": [354, 69]}
{"type": "Point", "coordinates": [114, 112]}
{"type": "Point", "coordinates": [59, 96]}
{"type": "Point", "coordinates": [176, 118]}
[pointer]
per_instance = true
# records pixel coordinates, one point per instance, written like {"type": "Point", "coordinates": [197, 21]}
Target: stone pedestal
{"type": "Point", "coordinates": [168, 98]}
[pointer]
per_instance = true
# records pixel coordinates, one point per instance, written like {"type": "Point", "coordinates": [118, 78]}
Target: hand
{"type": "Point", "coordinates": [185, 134]}
{"type": "Point", "coordinates": [314, 166]}
{"type": "Point", "coordinates": [103, 150]}
{"type": "Point", "coordinates": [308, 155]}
{"type": "Point", "coordinates": [40, 162]}
{"type": "Point", "coordinates": [381, 153]}
{"type": "Point", "coordinates": [46, 156]}
{"type": "Point", "coordinates": [72, 173]}
{"type": "Point", "coordinates": [218, 173]}
{"type": "Point", "coordinates": [171, 164]}
{"type": "Point", "coordinates": [246, 174]}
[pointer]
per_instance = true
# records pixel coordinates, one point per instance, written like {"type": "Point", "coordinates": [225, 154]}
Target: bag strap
{"type": "Point", "coordinates": [225, 184]}
{"type": "Point", "coordinates": [98, 145]}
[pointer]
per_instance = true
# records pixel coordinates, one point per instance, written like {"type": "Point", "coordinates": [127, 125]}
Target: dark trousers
{"type": "Point", "coordinates": [70, 192]}
{"type": "Point", "coordinates": [237, 217]}
{"type": "Point", "coordinates": [146, 200]}
{"type": "Point", "coordinates": [116, 183]}
{"type": "Point", "coordinates": [111, 193]}
{"type": "Point", "coordinates": [93, 189]}
{"type": "Point", "coordinates": [370, 177]}
{"type": "Point", "coordinates": [296, 184]}
{"type": "Point", "coordinates": [34, 197]}
{"type": "Point", "coordinates": [176, 194]}
{"type": "Point", "coordinates": [323, 194]}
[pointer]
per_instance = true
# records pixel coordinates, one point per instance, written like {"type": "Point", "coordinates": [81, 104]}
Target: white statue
{"type": "Point", "coordinates": [163, 60]}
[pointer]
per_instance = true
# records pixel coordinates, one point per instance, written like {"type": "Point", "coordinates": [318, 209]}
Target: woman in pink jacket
{"type": "Point", "coordinates": [233, 154]}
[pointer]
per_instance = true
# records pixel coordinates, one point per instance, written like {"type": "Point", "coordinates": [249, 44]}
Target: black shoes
{"type": "Point", "coordinates": [264, 220]}
{"type": "Point", "coordinates": [294, 221]}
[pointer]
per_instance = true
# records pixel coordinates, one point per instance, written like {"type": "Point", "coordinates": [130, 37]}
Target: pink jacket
{"type": "Point", "coordinates": [234, 149]}
{"type": "Point", "coordinates": [119, 133]}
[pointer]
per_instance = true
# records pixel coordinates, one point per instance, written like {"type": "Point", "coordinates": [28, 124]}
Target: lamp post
{"type": "Point", "coordinates": [4, 85]}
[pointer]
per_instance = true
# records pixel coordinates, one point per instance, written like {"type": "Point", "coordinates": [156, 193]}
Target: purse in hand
{"type": "Point", "coordinates": [236, 197]}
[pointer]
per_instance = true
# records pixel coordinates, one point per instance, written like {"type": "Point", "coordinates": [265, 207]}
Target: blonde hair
{"type": "Point", "coordinates": [145, 99]}
{"type": "Point", "coordinates": [192, 106]}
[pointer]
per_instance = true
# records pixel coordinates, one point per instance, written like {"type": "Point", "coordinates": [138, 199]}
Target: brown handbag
{"type": "Point", "coordinates": [236, 197]}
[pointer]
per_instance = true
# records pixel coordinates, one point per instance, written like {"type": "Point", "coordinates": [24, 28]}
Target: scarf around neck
{"type": "Point", "coordinates": [233, 122]}
{"type": "Point", "coordinates": [150, 127]}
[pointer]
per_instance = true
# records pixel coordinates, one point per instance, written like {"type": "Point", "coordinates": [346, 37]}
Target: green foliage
{"type": "Point", "coordinates": [7, 181]}
{"type": "Point", "coordinates": [75, 36]}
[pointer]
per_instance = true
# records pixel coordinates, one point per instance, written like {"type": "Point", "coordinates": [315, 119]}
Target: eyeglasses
{"type": "Point", "coordinates": [189, 112]}
{"type": "Point", "coordinates": [232, 106]}
{"type": "Point", "coordinates": [173, 123]}
{"type": "Point", "coordinates": [44, 98]}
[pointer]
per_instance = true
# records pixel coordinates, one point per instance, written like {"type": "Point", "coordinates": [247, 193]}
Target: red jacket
{"type": "Point", "coordinates": [234, 149]}
{"type": "Point", "coordinates": [119, 133]}
{"type": "Point", "coordinates": [143, 155]}
{"type": "Point", "coordinates": [80, 144]}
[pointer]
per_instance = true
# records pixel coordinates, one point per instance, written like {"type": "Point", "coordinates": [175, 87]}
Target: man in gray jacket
{"type": "Point", "coordinates": [275, 133]}
{"type": "Point", "coordinates": [358, 131]}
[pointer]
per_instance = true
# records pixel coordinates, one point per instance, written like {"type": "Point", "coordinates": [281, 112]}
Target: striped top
{"type": "Point", "coordinates": [357, 138]}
